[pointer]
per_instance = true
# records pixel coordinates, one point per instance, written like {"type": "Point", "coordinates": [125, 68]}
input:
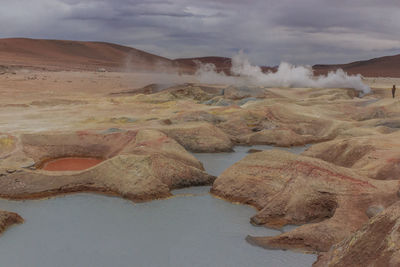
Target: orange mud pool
{"type": "Point", "coordinates": [70, 164]}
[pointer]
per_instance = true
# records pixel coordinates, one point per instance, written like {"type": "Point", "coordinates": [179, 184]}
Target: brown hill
{"type": "Point", "coordinates": [79, 55]}
{"type": "Point", "coordinates": [57, 54]}
{"type": "Point", "coordinates": [388, 66]}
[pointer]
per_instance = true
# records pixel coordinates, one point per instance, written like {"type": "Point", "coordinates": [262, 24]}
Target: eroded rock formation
{"type": "Point", "coordinates": [140, 166]}
{"type": "Point", "coordinates": [199, 137]}
{"type": "Point", "coordinates": [377, 243]}
{"type": "Point", "coordinates": [330, 201]}
{"type": "Point", "coordinates": [377, 156]}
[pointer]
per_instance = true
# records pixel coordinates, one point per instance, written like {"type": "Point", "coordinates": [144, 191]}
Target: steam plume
{"type": "Point", "coordinates": [287, 75]}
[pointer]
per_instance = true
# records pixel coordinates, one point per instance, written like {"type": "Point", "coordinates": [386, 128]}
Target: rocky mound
{"type": "Point", "coordinates": [375, 156]}
{"type": "Point", "coordinates": [9, 218]}
{"type": "Point", "coordinates": [330, 201]}
{"type": "Point", "coordinates": [375, 244]}
{"type": "Point", "coordinates": [139, 166]}
{"type": "Point", "coordinates": [256, 115]}
{"type": "Point", "coordinates": [199, 137]}
{"type": "Point", "coordinates": [274, 125]}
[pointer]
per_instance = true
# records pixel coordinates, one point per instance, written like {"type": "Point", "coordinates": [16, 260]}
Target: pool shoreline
{"type": "Point", "coordinates": [192, 227]}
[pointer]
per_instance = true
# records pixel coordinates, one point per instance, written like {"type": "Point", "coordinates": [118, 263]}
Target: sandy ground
{"type": "Point", "coordinates": [34, 101]}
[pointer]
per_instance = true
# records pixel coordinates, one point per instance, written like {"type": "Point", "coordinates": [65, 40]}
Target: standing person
{"type": "Point", "coordinates": [393, 90]}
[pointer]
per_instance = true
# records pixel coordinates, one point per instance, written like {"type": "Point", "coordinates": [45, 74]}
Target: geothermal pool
{"type": "Point", "coordinates": [191, 229]}
{"type": "Point", "coordinates": [216, 163]}
{"type": "Point", "coordinates": [70, 164]}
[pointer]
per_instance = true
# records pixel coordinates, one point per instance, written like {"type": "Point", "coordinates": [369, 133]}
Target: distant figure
{"type": "Point", "coordinates": [393, 90]}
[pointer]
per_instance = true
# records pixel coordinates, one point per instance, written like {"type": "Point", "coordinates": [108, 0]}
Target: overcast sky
{"type": "Point", "coordinates": [297, 31]}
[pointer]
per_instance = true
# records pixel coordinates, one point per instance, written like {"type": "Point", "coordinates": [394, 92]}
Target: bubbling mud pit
{"type": "Point", "coordinates": [192, 228]}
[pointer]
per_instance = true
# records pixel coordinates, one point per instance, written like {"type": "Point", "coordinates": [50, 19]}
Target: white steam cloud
{"type": "Point", "coordinates": [287, 75]}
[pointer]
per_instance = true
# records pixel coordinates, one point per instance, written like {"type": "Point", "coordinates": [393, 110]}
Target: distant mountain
{"type": "Point", "coordinates": [79, 55]}
{"type": "Point", "coordinates": [388, 66]}
{"type": "Point", "coordinates": [58, 54]}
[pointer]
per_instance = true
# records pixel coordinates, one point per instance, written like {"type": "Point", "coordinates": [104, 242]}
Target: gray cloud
{"type": "Point", "coordinates": [302, 32]}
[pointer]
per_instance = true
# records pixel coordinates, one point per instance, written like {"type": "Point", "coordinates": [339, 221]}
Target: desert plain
{"type": "Point", "coordinates": [141, 127]}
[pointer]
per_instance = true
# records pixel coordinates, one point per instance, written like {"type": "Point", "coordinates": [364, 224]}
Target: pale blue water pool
{"type": "Point", "coordinates": [191, 229]}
